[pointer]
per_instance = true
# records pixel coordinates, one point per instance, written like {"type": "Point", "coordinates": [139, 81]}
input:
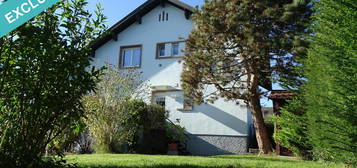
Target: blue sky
{"type": "Point", "coordinates": [115, 10]}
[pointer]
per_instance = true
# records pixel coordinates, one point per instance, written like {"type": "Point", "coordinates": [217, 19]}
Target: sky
{"type": "Point", "coordinates": [115, 10]}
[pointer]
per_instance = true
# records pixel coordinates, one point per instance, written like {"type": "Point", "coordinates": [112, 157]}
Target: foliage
{"type": "Point", "coordinates": [331, 91]}
{"type": "Point", "coordinates": [68, 140]}
{"type": "Point", "coordinates": [232, 45]}
{"type": "Point", "coordinates": [105, 108]}
{"type": "Point", "coordinates": [131, 124]}
{"type": "Point", "coordinates": [175, 132]}
{"type": "Point", "coordinates": [149, 126]}
{"type": "Point", "coordinates": [43, 69]}
{"type": "Point", "coordinates": [327, 125]}
{"type": "Point", "coordinates": [292, 132]}
{"type": "Point", "coordinates": [116, 120]}
{"type": "Point", "coordinates": [159, 161]}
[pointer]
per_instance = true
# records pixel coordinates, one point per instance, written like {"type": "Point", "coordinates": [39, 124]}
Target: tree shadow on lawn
{"type": "Point", "coordinates": [257, 158]}
{"type": "Point", "coordinates": [168, 166]}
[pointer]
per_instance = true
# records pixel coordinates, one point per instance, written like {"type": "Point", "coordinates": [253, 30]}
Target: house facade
{"type": "Point", "coordinates": [151, 40]}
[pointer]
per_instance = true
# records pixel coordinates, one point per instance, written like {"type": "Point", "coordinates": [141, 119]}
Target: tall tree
{"type": "Point", "coordinates": [43, 69]}
{"type": "Point", "coordinates": [232, 46]}
{"type": "Point", "coordinates": [331, 89]}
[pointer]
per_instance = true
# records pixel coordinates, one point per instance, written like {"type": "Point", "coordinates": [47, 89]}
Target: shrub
{"type": "Point", "coordinates": [66, 141]}
{"type": "Point", "coordinates": [138, 127]}
{"type": "Point", "coordinates": [106, 109]}
{"type": "Point", "coordinates": [292, 132]}
{"type": "Point", "coordinates": [118, 122]}
{"type": "Point", "coordinates": [151, 133]}
{"type": "Point", "coordinates": [174, 132]}
{"type": "Point", "coordinates": [44, 74]}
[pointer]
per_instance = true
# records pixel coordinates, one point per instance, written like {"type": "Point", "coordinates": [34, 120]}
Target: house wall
{"type": "Point", "coordinates": [211, 127]}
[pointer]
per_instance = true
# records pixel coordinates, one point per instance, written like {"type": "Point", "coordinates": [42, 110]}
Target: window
{"type": "Point", "coordinates": [161, 49]}
{"type": "Point", "coordinates": [170, 49]}
{"type": "Point", "coordinates": [160, 101]}
{"type": "Point", "coordinates": [175, 49]}
{"type": "Point", "coordinates": [130, 57]}
{"type": "Point", "coordinates": [163, 16]}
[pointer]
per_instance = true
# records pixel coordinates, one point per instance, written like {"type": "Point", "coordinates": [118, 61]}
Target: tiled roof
{"type": "Point", "coordinates": [281, 94]}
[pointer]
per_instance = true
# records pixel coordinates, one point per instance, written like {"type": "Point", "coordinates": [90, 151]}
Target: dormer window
{"type": "Point", "coordinates": [170, 49]}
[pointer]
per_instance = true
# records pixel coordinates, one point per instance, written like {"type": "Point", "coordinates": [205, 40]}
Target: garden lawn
{"type": "Point", "coordinates": [158, 161]}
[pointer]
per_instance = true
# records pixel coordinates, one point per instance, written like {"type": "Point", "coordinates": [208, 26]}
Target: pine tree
{"type": "Point", "coordinates": [232, 45]}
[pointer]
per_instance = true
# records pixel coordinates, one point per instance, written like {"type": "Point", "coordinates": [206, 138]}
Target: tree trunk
{"type": "Point", "coordinates": [261, 132]}
{"type": "Point", "coordinates": [260, 129]}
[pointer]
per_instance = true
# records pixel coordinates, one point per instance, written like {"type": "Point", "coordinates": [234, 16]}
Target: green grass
{"type": "Point", "coordinates": [158, 161]}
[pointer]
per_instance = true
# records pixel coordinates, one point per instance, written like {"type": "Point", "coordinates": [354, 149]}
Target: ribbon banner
{"type": "Point", "coordinates": [14, 13]}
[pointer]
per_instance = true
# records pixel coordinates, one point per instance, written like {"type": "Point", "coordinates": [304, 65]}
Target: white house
{"type": "Point", "coordinates": [151, 39]}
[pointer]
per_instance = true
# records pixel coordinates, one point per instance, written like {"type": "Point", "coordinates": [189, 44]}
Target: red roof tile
{"type": "Point", "coordinates": [281, 94]}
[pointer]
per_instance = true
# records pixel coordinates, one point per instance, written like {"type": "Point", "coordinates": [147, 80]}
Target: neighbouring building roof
{"type": "Point", "coordinates": [281, 94]}
{"type": "Point", "coordinates": [136, 15]}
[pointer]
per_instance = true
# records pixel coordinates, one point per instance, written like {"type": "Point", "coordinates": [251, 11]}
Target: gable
{"type": "Point", "coordinates": [137, 15]}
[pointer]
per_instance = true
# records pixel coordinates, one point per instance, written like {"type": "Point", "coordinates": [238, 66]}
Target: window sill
{"type": "Point", "coordinates": [169, 57]}
{"type": "Point", "coordinates": [129, 67]}
{"type": "Point", "coordinates": [185, 109]}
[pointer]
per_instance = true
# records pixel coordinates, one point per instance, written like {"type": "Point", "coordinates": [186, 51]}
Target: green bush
{"type": "Point", "coordinates": [133, 116]}
{"type": "Point", "coordinates": [142, 127]}
{"type": "Point", "coordinates": [133, 129]}
{"type": "Point", "coordinates": [67, 140]}
{"type": "Point", "coordinates": [107, 110]}
{"type": "Point", "coordinates": [44, 74]}
{"type": "Point", "coordinates": [174, 132]}
{"type": "Point", "coordinates": [117, 122]}
{"type": "Point", "coordinates": [152, 134]}
{"type": "Point", "coordinates": [292, 132]}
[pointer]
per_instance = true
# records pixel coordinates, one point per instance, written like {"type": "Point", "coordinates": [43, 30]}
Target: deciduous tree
{"type": "Point", "coordinates": [43, 69]}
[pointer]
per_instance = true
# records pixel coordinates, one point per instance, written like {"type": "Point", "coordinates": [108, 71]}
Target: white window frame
{"type": "Point", "coordinates": [169, 49]}
{"type": "Point", "coordinates": [178, 49]}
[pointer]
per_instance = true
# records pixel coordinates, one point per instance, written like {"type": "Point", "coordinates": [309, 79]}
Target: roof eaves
{"type": "Point", "coordinates": [132, 17]}
{"type": "Point", "coordinates": [182, 5]}
{"type": "Point", "coordinates": [281, 94]}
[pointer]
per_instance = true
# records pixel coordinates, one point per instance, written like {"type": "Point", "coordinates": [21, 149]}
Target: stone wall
{"type": "Point", "coordinates": [208, 145]}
